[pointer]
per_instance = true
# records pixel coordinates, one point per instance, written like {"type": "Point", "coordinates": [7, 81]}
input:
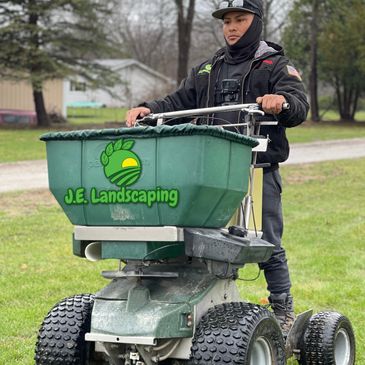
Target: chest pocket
{"type": "Point", "coordinates": [259, 82]}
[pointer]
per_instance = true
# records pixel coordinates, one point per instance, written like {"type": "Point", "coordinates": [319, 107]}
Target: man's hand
{"type": "Point", "coordinates": [134, 113]}
{"type": "Point", "coordinates": [271, 103]}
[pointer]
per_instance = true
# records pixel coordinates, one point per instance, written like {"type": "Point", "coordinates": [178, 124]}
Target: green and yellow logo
{"type": "Point", "coordinates": [121, 166]}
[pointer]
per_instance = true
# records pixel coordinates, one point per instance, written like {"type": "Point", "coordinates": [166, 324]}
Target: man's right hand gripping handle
{"type": "Point", "coordinates": [135, 113]}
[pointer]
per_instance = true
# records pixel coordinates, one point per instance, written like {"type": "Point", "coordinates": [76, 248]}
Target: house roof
{"type": "Point", "coordinates": [119, 64]}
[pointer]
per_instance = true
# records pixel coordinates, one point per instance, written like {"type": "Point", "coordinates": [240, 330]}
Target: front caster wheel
{"type": "Point", "coordinates": [239, 334]}
{"type": "Point", "coordinates": [328, 340]}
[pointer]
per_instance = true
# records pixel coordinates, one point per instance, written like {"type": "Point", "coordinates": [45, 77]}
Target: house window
{"type": "Point", "coordinates": [77, 86]}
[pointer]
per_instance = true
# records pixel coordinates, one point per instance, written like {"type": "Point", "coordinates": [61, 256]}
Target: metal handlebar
{"type": "Point", "coordinates": [201, 111]}
{"type": "Point", "coordinates": [252, 108]}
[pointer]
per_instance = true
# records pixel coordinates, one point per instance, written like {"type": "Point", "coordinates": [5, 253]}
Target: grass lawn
{"type": "Point", "coordinates": [36, 270]}
{"type": "Point", "coordinates": [324, 131]}
{"type": "Point", "coordinates": [81, 116]}
{"type": "Point", "coordinates": [24, 144]}
{"type": "Point", "coordinates": [21, 144]}
{"type": "Point", "coordinates": [333, 115]}
{"type": "Point", "coordinates": [325, 226]}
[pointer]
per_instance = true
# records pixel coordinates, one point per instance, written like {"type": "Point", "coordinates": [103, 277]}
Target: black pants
{"type": "Point", "coordinates": [276, 268]}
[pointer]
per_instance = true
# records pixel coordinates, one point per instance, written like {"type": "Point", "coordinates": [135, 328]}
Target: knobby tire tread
{"type": "Point", "coordinates": [223, 335]}
{"type": "Point", "coordinates": [61, 336]}
{"type": "Point", "coordinates": [319, 339]}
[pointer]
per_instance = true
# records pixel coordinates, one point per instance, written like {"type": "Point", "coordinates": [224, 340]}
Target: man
{"type": "Point", "coordinates": [249, 70]}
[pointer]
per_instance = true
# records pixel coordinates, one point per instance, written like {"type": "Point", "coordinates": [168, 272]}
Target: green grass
{"type": "Point", "coordinates": [21, 144]}
{"type": "Point", "coordinates": [324, 230]}
{"type": "Point", "coordinates": [24, 144]}
{"type": "Point", "coordinates": [81, 116]}
{"type": "Point", "coordinates": [333, 115]}
{"type": "Point", "coordinates": [36, 270]}
{"type": "Point", "coordinates": [310, 132]}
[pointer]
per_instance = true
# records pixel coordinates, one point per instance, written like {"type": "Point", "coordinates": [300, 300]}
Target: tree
{"type": "Point", "coordinates": [46, 39]}
{"type": "Point", "coordinates": [306, 21]}
{"type": "Point", "coordinates": [296, 39]}
{"type": "Point", "coordinates": [275, 12]}
{"type": "Point", "coordinates": [342, 55]}
{"type": "Point", "coordinates": [326, 38]}
{"type": "Point", "coordinates": [157, 34]}
{"type": "Point", "coordinates": [147, 33]}
{"type": "Point", "coordinates": [207, 35]}
{"type": "Point", "coordinates": [184, 27]}
{"type": "Point", "coordinates": [165, 33]}
{"type": "Point", "coordinates": [313, 59]}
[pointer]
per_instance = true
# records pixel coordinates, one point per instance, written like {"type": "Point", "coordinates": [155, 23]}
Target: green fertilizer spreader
{"type": "Point", "coordinates": [158, 200]}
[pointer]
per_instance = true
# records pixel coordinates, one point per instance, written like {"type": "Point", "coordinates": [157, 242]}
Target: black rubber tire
{"type": "Point", "coordinates": [319, 341]}
{"type": "Point", "coordinates": [61, 336]}
{"type": "Point", "coordinates": [227, 333]}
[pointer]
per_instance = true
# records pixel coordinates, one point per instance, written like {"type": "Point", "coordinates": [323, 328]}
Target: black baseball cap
{"type": "Point", "coordinates": [227, 6]}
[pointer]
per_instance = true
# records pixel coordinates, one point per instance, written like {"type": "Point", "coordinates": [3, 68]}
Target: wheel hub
{"type": "Point", "coordinates": [261, 352]}
{"type": "Point", "coordinates": [342, 348]}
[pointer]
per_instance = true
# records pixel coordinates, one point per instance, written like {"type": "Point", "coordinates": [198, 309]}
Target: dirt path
{"type": "Point", "coordinates": [33, 174]}
{"type": "Point", "coordinates": [23, 175]}
{"type": "Point", "coordinates": [341, 149]}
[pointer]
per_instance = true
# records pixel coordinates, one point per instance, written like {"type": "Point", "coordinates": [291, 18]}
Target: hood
{"type": "Point", "coordinates": [265, 49]}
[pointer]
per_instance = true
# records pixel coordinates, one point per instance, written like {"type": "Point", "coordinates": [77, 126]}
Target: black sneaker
{"type": "Point", "coordinates": [283, 307]}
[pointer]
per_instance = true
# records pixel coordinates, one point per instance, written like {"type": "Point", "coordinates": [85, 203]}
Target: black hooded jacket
{"type": "Point", "coordinates": [270, 72]}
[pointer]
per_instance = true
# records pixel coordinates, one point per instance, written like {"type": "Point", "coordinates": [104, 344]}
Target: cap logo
{"type": "Point", "coordinates": [235, 3]}
{"type": "Point", "coordinates": [252, 6]}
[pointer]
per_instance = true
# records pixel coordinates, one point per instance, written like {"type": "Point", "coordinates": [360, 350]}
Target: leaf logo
{"type": "Point", "coordinates": [121, 166]}
{"type": "Point", "coordinates": [207, 69]}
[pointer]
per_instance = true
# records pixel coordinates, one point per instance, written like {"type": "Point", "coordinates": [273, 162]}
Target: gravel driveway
{"type": "Point", "coordinates": [27, 175]}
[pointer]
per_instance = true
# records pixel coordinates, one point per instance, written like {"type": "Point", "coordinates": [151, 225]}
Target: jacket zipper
{"type": "Point", "coordinates": [243, 86]}
{"type": "Point", "coordinates": [208, 96]}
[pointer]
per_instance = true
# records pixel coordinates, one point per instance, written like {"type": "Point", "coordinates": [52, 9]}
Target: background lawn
{"type": "Point", "coordinates": [325, 226]}
{"type": "Point", "coordinates": [24, 144]}
{"type": "Point", "coordinates": [324, 131]}
{"type": "Point", "coordinates": [81, 116]}
{"type": "Point", "coordinates": [21, 144]}
{"type": "Point", "coordinates": [333, 115]}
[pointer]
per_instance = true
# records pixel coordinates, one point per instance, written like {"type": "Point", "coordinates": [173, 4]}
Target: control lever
{"type": "Point", "coordinates": [254, 111]}
{"type": "Point", "coordinates": [147, 120]}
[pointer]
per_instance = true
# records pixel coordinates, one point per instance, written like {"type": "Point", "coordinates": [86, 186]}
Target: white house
{"type": "Point", "coordinates": [138, 83]}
